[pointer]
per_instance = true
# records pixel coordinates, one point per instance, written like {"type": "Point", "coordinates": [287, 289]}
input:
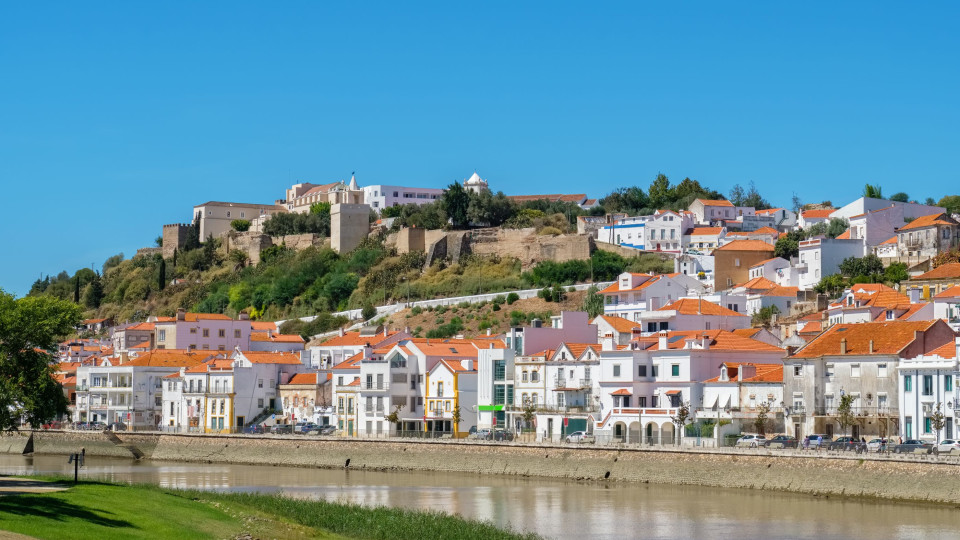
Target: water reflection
{"type": "Point", "coordinates": [551, 508]}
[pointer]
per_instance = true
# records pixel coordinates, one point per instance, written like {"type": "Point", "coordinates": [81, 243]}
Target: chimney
{"type": "Point", "coordinates": [746, 371]}
{"type": "Point", "coordinates": [607, 343]}
{"type": "Point", "coordinates": [406, 329]}
{"type": "Point", "coordinates": [367, 351]}
{"type": "Point", "coordinates": [181, 314]}
{"type": "Point", "coordinates": [705, 343]}
{"type": "Point", "coordinates": [243, 316]}
{"type": "Point", "coordinates": [662, 340]}
{"type": "Point", "coordinates": [871, 346]}
{"type": "Point", "coordinates": [913, 293]}
{"type": "Point", "coordinates": [843, 346]}
{"type": "Point", "coordinates": [269, 333]}
{"type": "Point", "coordinates": [341, 331]}
{"type": "Point", "coordinates": [386, 331]}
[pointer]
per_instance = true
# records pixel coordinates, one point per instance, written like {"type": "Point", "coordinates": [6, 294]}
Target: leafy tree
{"type": "Point", "coordinates": [113, 262]}
{"type": "Point", "coordinates": [737, 195]}
{"type": "Point", "coordinates": [456, 417]}
{"type": "Point", "coordinates": [76, 289]}
{"type": "Point", "coordinates": [321, 208]}
{"type": "Point", "coordinates": [158, 241]}
{"type": "Point", "coordinates": [30, 328]}
{"type": "Point", "coordinates": [660, 192]}
{"type": "Point", "coordinates": [93, 294]}
{"type": "Point", "coordinates": [930, 202]}
{"type": "Point", "coordinates": [593, 302]}
{"type": "Point", "coordinates": [455, 203]}
{"type": "Point", "coordinates": [290, 223]}
{"type": "Point", "coordinates": [900, 197]}
{"type": "Point", "coordinates": [951, 203]}
{"type": "Point", "coordinates": [873, 191]}
{"type": "Point", "coordinates": [760, 422]}
{"type": "Point", "coordinates": [394, 417]}
{"type": "Point", "coordinates": [845, 415]}
{"type": "Point", "coordinates": [750, 197]}
{"type": "Point", "coordinates": [764, 316]}
{"type": "Point", "coordinates": [239, 258]}
{"type": "Point", "coordinates": [868, 266]}
{"type": "Point", "coordinates": [368, 312]}
{"type": "Point", "coordinates": [529, 413]}
{"type": "Point", "coordinates": [789, 245]}
{"type": "Point", "coordinates": [837, 226]}
{"type": "Point", "coordinates": [630, 200]}
{"type": "Point", "coordinates": [896, 272]}
{"type": "Point", "coordinates": [796, 204]}
{"type": "Point", "coordinates": [831, 285]}
{"type": "Point", "coordinates": [240, 225]}
{"type": "Point", "coordinates": [681, 418]}
{"type": "Point", "coordinates": [489, 209]}
{"type": "Point", "coordinates": [937, 420]}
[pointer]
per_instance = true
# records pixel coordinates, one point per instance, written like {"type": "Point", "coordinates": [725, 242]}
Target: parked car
{"type": "Point", "coordinates": [751, 441]}
{"type": "Point", "coordinates": [580, 437]}
{"type": "Point", "coordinates": [810, 441]}
{"type": "Point", "coordinates": [255, 429]}
{"type": "Point", "coordinates": [328, 429]}
{"type": "Point", "coordinates": [482, 434]}
{"type": "Point", "coordinates": [281, 429]}
{"type": "Point", "coordinates": [913, 446]}
{"type": "Point", "coordinates": [502, 435]}
{"type": "Point", "coordinates": [876, 445]}
{"type": "Point", "coordinates": [845, 444]}
{"type": "Point", "coordinates": [117, 426]}
{"type": "Point", "coordinates": [782, 441]}
{"type": "Point", "coordinates": [303, 428]}
{"type": "Point", "coordinates": [97, 426]}
{"type": "Point", "coordinates": [947, 446]}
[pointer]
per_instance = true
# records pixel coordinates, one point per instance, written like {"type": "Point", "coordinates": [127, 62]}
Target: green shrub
{"type": "Point", "coordinates": [512, 297]}
{"type": "Point", "coordinates": [368, 312]}
{"type": "Point", "coordinates": [416, 310]}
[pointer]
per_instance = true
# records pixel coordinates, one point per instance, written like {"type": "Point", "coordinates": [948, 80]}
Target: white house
{"type": "Point", "coordinates": [928, 384]}
{"type": "Point", "coordinates": [704, 239]}
{"type": "Point", "coordinates": [691, 314]}
{"type": "Point", "coordinates": [632, 294]}
{"type": "Point", "coordinates": [708, 212]}
{"type": "Point", "coordinates": [820, 257]}
{"type": "Point", "coordinates": [865, 205]}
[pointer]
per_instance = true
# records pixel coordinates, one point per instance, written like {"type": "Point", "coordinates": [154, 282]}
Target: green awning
{"type": "Point", "coordinates": [496, 408]}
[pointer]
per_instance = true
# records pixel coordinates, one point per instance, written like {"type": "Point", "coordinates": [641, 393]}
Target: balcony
{"type": "Point", "coordinates": [381, 386]}
{"type": "Point", "coordinates": [831, 410]}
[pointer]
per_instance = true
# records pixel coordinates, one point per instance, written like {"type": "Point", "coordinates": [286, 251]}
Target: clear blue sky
{"type": "Point", "coordinates": [116, 119]}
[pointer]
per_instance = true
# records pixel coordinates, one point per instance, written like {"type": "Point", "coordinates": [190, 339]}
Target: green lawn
{"type": "Point", "coordinates": [100, 510]}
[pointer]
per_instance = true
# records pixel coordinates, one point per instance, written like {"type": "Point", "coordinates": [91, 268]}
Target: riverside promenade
{"type": "Point", "coordinates": [920, 478]}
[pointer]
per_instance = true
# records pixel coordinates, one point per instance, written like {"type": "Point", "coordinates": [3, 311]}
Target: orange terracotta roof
{"type": "Point", "coordinates": [888, 338]}
{"type": "Point", "coordinates": [767, 211]}
{"type": "Point", "coordinates": [350, 363]}
{"type": "Point", "coordinates": [765, 373]}
{"type": "Point", "coordinates": [747, 332]}
{"type": "Point", "coordinates": [705, 231]}
{"type": "Point", "coordinates": [928, 221]}
{"type": "Point", "coordinates": [878, 295]}
{"type": "Point", "coordinates": [947, 350]}
{"type": "Point", "coordinates": [303, 378]}
{"type": "Point", "coordinates": [720, 340]}
{"type": "Point", "coordinates": [619, 324]}
{"type": "Point", "coordinates": [721, 202]}
{"type": "Point", "coordinates": [952, 292]}
{"type": "Point", "coordinates": [845, 235]}
{"type": "Point", "coordinates": [69, 366]}
{"type": "Point", "coordinates": [577, 349]}
{"type": "Point", "coordinates": [746, 245]}
{"type": "Point", "coordinates": [168, 358]}
{"type": "Point", "coordinates": [694, 306]}
{"type": "Point", "coordinates": [889, 241]}
{"type": "Point", "coordinates": [782, 291]}
{"type": "Point", "coordinates": [615, 286]}
{"type": "Point", "coordinates": [275, 338]}
{"type": "Point", "coordinates": [354, 339]}
{"type": "Point", "coordinates": [93, 321]}
{"type": "Point", "coordinates": [144, 326]}
{"type": "Point", "coordinates": [813, 327]}
{"type": "Point", "coordinates": [760, 283]}
{"type": "Point", "coordinates": [257, 357]}
{"type": "Point", "coordinates": [621, 392]}
{"type": "Point", "coordinates": [175, 375]}
{"type": "Point", "coordinates": [575, 198]}
{"type": "Point", "coordinates": [355, 382]}
{"type": "Point", "coordinates": [944, 271]}
{"type": "Point", "coordinates": [825, 213]}
{"type": "Point", "coordinates": [455, 365]}
{"type": "Point", "coordinates": [818, 316]}
{"type": "Point", "coordinates": [262, 326]}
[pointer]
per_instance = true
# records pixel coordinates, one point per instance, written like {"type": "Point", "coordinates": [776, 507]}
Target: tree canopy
{"type": "Point", "coordinates": [30, 329]}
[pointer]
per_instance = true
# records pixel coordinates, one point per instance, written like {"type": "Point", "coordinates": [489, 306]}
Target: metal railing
{"type": "Point", "coordinates": [375, 385]}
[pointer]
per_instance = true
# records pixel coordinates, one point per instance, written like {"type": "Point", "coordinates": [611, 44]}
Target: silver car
{"type": "Point", "coordinates": [580, 437]}
{"type": "Point", "coordinates": [947, 446]}
{"type": "Point", "coordinates": [751, 441]}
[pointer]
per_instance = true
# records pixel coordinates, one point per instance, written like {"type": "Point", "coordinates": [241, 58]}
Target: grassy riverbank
{"type": "Point", "coordinates": [100, 510]}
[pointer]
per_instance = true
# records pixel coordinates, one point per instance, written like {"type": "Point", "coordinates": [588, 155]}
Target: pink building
{"type": "Point", "coordinates": [202, 331]}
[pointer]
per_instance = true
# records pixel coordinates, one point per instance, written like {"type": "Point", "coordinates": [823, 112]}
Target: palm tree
{"type": "Point", "coordinates": [873, 191]}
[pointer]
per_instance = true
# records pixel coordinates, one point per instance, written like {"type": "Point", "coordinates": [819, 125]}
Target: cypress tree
{"type": "Point", "coordinates": [162, 278]}
{"type": "Point", "coordinates": [76, 289]}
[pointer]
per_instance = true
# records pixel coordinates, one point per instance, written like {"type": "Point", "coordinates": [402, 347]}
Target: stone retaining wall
{"type": "Point", "coordinates": [930, 480]}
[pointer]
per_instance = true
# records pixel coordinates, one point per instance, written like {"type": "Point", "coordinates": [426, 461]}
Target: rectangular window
{"type": "Point", "coordinates": [260, 403]}
{"type": "Point", "coordinates": [908, 384]}
{"type": "Point", "coordinates": [797, 371]}
{"type": "Point", "coordinates": [162, 335]}
{"type": "Point", "coordinates": [236, 334]}
{"type": "Point", "coordinates": [948, 383]}
{"type": "Point", "coordinates": [616, 370]}
{"type": "Point", "coordinates": [927, 425]}
{"type": "Point", "coordinates": [656, 371]}
{"type": "Point", "coordinates": [193, 330]}
{"type": "Point", "coordinates": [259, 383]}
{"type": "Point", "coordinates": [829, 371]}
{"type": "Point", "coordinates": [928, 385]}
{"type": "Point", "coordinates": [222, 333]}
{"type": "Point", "coordinates": [881, 370]}
{"type": "Point", "coordinates": [206, 332]}
{"type": "Point", "coordinates": [854, 370]}
{"type": "Point", "coordinates": [641, 371]}
{"type": "Point", "coordinates": [675, 370]}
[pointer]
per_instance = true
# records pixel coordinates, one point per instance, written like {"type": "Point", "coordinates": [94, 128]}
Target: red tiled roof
{"type": "Point", "coordinates": [947, 350]}
{"type": "Point", "coordinates": [276, 338]}
{"type": "Point", "coordinates": [782, 291]}
{"type": "Point", "coordinates": [761, 283]}
{"type": "Point", "coordinates": [721, 202]}
{"type": "Point", "coordinates": [705, 231]}
{"type": "Point", "coordinates": [615, 286]}
{"type": "Point", "coordinates": [694, 306]}
{"type": "Point", "coordinates": [746, 245]}
{"type": "Point", "coordinates": [928, 221]}
{"type": "Point", "coordinates": [720, 340]}
{"type": "Point", "coordinates": [825, 213]}
{"type": "Point", "coordinates": [888, 338]}
{"type": "Point", "coordinates": [257, 357]}
{"type": "Point", "coordinates": [944, 271]}
{"type": "Point", "coordinates": [168, 358]}
{"type": "Point", "coordinates": [845, 235]}
{"type": "Point", "coordinates": [304, 378]}
{"type": "Point", "coordinates": [952, 292]}
{"type": "Point", "coordinates": [619, 324]}
{"type": "Point", "coordinates": [350, 363]}
{"type": "Point", "coordinates": [892, 240]}
{"type": "Point", "coordinates": [621, 392]}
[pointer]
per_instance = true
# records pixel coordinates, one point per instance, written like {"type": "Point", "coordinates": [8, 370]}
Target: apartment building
{"type": "Point", "coordinates": [202, 332]}
{"type": "Point", "coordinates": [734, 260]}
{"type": "Point", "coordinates": [633, 294]}
{"type": "Point", "coordinates": [927, 386]}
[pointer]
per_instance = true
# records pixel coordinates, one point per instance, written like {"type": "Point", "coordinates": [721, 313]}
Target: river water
{"type": "Point", "coordinates": [551, 508]}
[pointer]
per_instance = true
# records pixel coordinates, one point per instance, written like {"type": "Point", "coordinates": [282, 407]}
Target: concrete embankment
{"type": "Point", "coordinates": [910, 479]}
